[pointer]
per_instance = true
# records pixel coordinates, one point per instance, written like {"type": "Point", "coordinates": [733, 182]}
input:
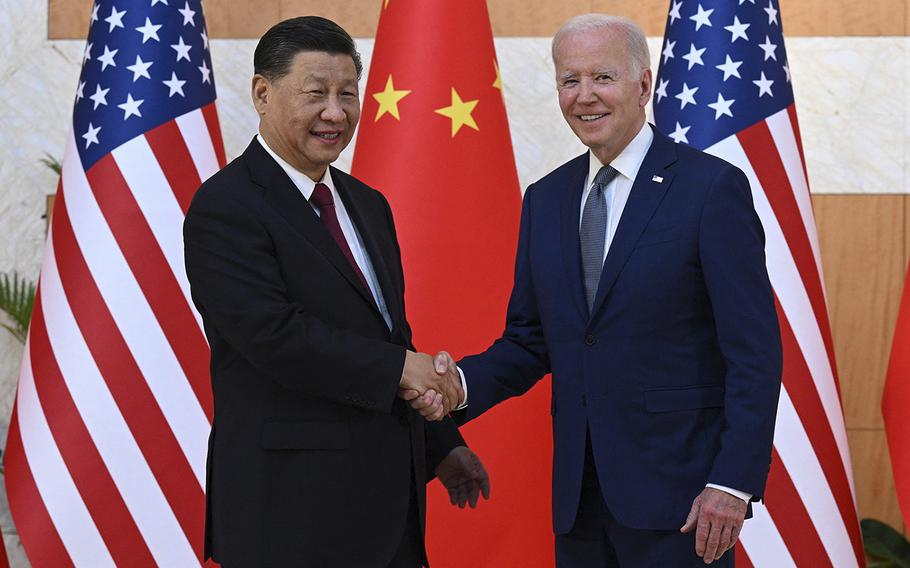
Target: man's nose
{"type": "Point", "coordinates": [333, 111]}
{"type": "Point", "coordinates": [586, 91]}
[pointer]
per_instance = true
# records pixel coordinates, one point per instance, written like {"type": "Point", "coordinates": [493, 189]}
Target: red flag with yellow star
{"type": "Point", "coordinates": [434, 138]}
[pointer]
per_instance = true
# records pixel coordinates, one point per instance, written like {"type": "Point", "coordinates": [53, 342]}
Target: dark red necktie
{"type": "Point", "coordinates": [322, 199]}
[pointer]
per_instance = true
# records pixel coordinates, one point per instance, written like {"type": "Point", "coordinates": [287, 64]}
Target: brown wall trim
{"type": "Point", "coordinates": [68, 19]}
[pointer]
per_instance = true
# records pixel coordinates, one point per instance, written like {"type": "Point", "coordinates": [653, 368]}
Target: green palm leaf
{"type": "Point", "coordinates": [17, 297]}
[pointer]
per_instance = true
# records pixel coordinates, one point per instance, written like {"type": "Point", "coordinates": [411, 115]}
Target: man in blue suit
{"type": "Point", "coordinates": [640, 284]}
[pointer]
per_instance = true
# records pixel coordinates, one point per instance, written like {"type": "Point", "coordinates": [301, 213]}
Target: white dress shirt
{"type": "Point", "coordinates": [351, 235]}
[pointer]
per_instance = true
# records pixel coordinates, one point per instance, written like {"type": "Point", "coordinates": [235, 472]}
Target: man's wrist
{"type": "Point", "coordinates": [464, 387]}
{"type": "Point", "coordinates": [735, 492]}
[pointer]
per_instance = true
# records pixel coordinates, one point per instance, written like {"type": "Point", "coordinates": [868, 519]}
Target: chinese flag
{"type": "Point", "coordinates": [896, 404]}
{"type": "Point", "coordinates": [434, 138]}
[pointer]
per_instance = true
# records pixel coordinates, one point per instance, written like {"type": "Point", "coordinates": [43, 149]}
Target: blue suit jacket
{"type": "Point", "coordinates": [677, 370]}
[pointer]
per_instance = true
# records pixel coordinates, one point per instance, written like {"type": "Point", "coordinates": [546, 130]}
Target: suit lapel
{"type": "Point", "coordinates": [281, 193]}
{"type": "Point", "coordinates": [569, 219]}
{"type": "Point", "coordinates": [646, 195]}
{"type": "Point", "coordinates": [367, 225]}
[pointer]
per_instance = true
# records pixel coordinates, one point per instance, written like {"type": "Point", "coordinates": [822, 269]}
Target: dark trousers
{"type": "Point", "coordinates": [410, 550]}
{"type": "Point", "coordinates": [598, 540]}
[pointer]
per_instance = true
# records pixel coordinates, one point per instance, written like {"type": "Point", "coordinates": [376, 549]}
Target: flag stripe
{"type": "Point", "coordinates": [78, 451]}
{"type": "Point", "coordinates": [781, 129]}
{"type": "Point", "coordinates": [791, 293]}
{"type": "Point", "coordinates": [135, 320]}
{"type": "Point", "coordinates": [151, 271]}
{"type": "Point", "coordinates": [812, 416]}
{"type": "Point", "coordinates": [26, 504]}
{"type": "Point", "coordinates": [175, 162]}
{"type": "Point", "coordinates": [214, 127]}
{"type": "Point", "coordinates": [792, 445]}
{"type": "Point", "coordinates": [137, 164]}
{"type": "Point", "coordinates": [759, 145]}
{"type": "Point", "coordinates": [792, 519]}
{"type": "Point", "coordinates": [742, 558]}
{"type": "Point", "coordinates": [108, 430]}
{"type": "Point", "coordinates": [762, 540]}
{"type": "Point", "coordinates": [195, 132]}
{"type": "Point", "coordinates": [131, 393]}
{"type": "Point", "coordinates": [69, 515]}
{"type": "Point", "coordinates": [794, 124]}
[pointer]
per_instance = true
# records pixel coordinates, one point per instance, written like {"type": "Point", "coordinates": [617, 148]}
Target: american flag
{"type": "Point", "coordinates": [105, 460]}
{"type": "Point", "coordinates": [723, 86]}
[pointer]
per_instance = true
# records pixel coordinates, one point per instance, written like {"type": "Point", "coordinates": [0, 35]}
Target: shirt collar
{"type": "Point", "coordinates": [628, 162]}
{"type": "Point", "coordinates": [300, 179]}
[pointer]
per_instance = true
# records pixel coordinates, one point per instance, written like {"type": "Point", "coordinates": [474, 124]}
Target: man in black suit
{"type": "Point", "coordinates": [313, 460]}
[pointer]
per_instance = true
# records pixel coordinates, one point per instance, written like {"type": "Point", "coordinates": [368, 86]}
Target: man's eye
{"type": "Point", "coordinates": [315, 93]}
{"type": "Point", "coordinates": [569, 82]}
{"type": "Point", "coordinates": [603, 78]}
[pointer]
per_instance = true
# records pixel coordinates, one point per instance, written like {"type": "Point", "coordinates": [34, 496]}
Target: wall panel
{"type": "Point", "coordinates": [875, 495]}
{"type": "Point", "coordinates": [68, 19]}
{"type": "Point", "coordinates": [861, 247]}
{"type": "Point", "coordinates": [232, 18]}
{"type": "Point", "coordinates": [358, 17]}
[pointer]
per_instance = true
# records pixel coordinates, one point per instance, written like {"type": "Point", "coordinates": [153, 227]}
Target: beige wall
{"type": "Point", "coordinates": [865, 239]}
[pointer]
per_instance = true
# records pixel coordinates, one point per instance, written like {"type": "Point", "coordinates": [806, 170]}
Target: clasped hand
{"type": "Point", "coordinates": [432, 385]}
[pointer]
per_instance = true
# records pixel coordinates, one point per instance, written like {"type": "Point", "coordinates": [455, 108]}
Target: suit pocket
{"type": "Point", "coordinates": [312, 435]}
{"type": "Point", "coordinates": [684, 398]}
{"type": "Point", "coordinates": [658, 236]}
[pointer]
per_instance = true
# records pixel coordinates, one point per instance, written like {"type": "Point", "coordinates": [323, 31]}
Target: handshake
{"type": "Point", "coordinates": [432, 385]}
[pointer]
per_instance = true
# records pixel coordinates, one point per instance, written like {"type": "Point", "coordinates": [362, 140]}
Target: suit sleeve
{"type": "Point", "coordinates": [732, 255]}
{"type": "Point", "coordinates": [238, 288]}
{"type": "Point", "coordinates": [519, 358]}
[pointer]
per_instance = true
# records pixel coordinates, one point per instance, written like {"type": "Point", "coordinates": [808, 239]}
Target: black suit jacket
{"type": "Point", "coordinates": [312, 458]}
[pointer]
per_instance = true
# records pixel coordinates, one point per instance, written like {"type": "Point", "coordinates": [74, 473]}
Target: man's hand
{"type": "Point", "coordinates": [424, 380]}
{"type": "Point", "coordinates": [429, 404]}
{"type": "Point", "coordinates": [717, 517]}
{"type": "Point", "coordinates": [464, 477]}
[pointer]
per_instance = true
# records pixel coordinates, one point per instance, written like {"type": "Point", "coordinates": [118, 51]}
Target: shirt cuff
{"type": "Point", "coordinates": [741, 494]}
{"type": "Point", "coordinates": [464, 387]}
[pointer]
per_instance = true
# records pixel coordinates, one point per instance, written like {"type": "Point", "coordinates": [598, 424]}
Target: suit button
{"type": "Point", "coordinates": [584, 401]}
{"type": "Point", "coordinates": [590, 340]}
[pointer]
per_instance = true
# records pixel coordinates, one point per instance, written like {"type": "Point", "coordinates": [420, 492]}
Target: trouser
{"type": "Point", "coordinates": [598, 540]}
{"type": "Point", "coordinates": [410, 549]}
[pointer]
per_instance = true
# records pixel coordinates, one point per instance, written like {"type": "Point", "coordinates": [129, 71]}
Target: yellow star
{"type": "Point", "coordinates": [498, 82]}
{"type": "Point", "coordinates": [460, 113]}
{"type": "Point", "coordinates": [388, 100]}
{"type": "Point", "coordinates": [385, 4]}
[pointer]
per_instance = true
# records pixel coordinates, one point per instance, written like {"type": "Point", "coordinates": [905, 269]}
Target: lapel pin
{"type": "Point", "coordinates": [658, 179]}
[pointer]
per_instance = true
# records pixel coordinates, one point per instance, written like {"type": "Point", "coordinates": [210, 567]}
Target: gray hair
{"type": "Point", "coordinates": [636, 43]}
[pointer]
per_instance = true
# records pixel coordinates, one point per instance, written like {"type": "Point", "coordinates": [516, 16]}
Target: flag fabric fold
{"type": "Point", "coordinates": [434, 138]}
{"type": "Point", "coordinates": [896, 401]}
{"type": "Point", "coordinates": [105, 459]}
{"type": "Point", "coordinates": [724, 87]}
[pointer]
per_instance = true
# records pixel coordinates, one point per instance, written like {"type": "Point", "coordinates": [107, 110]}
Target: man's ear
{"type": "Point", "coordinates": [261, 91]}
{"type": "Point", "coordinates": [645, 85]}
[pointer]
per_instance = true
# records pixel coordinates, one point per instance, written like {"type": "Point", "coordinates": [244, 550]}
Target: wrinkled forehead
{"type": "Point", "coordinates": [590, 50]}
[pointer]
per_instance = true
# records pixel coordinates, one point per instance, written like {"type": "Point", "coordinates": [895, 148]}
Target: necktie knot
{"type": "Point", "coordinates": [605, 175]}
{"type": "Point", "coordinates": [322, 196]}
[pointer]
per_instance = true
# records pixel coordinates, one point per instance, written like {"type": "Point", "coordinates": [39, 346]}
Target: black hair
{"type": "Point", "coordinates": [277, 48]}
